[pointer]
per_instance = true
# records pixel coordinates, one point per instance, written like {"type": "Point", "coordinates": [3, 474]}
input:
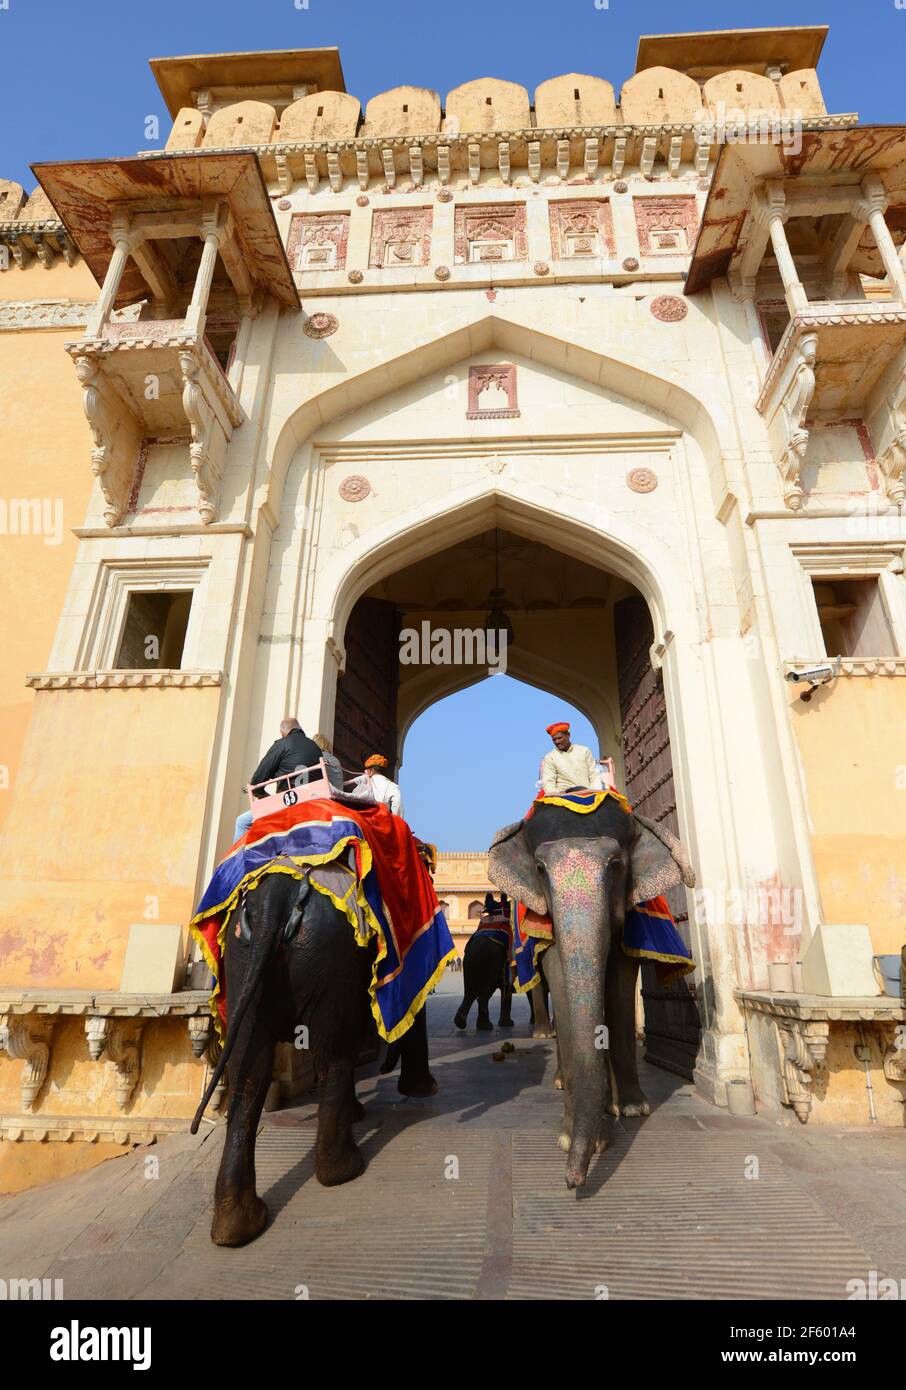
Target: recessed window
{"type": "Point", "coordinates": [475, 911]}
{"type": "Point", "coordinates": [853, 618]}
{"type": "Point", "coordinates": [320, 110]}
{"type": "Point", "coordinates": [405, 106]}
{"type": "Point", "coordinates": [575, 94]}
{"type": "Point", "coordinates": [154, 633]}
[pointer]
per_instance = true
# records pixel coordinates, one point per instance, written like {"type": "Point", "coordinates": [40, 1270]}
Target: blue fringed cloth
{"type": "Point", "coordinates": [391, 899]}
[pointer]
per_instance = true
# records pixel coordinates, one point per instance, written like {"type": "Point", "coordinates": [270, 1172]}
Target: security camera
{"type": "Point", "coordinates": [814, 676]}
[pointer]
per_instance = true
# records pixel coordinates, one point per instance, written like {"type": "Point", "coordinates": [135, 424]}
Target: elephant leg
{"type": "Point", "coordinates": [564, 1045]}
{"type": "Point", "coordinates": [239, 1213]}
{"type": "Point", "coordinates": [338, 1158]}
{"type": "Point", "coordinates": [415, 1074]}
{"type": "Point", "coordinates": [484, 1024]}
{"type": "Point", "coordinates": [541, 1019]}
{"type": "Point", "coordinates": [461, 1017]}
{"type": "Point", "coordinates": [506, 996]}
{"type": "Point", "coordinates": [622, 977]}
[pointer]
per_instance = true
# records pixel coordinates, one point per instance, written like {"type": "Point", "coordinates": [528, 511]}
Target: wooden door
{"type": "Point", "coordinates": [672, 1026]}
{"type": "Point", "coordinates": [365, 717]}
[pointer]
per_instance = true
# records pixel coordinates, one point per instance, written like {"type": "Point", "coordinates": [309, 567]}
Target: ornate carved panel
{"type": "Point", "coordinates": [318, 241]}
{"type": "Point", "coordinates": [581, 227]}
{"type": "Point", "coordinates": [400, 237]}
{"type": "Point", "coordinates": [666, 226]}
{"type": "Point", "coordinates": [490, 232]}
{"type": "Point", "coordinates": [492, 393]}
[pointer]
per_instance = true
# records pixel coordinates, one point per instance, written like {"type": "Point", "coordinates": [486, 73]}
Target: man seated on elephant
{"type": "Point", "coordinates": [568, 765]}
{"type": "Point", "coordinates": [375, 785]}
{"type": "Point", "coordinates": [291, 750]}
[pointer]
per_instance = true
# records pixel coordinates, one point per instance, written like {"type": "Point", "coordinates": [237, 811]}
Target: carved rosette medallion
{"type": "Point", "coordinates": [621, 186]}
{"type": "Point", "coordinates": [669, 308]}
{"type": "Point", "coordinates": [320, 325]}
{"type": "Point", "coordinates": [362, 200]}
{"type": "Point", "coordinates": [355, 277]}
{"type": "Point", "coordinates": [442, 272]}
{"type": "Point", "coordinates": [445, 196]}
{"type": "Point", "coordinates": [284, 205]}
{"type": "Point", "coordinates": [541, 268]}
{"type": "Point", "coordinates": [630, 263]}
{"type": "Point", "coordinates": [355, 488]}
{"type": "Point", "coordinates": [641, 479]}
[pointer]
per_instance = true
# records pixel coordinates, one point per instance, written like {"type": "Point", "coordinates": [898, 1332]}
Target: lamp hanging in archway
{"type": "Point", "coordinates": [497, 619]}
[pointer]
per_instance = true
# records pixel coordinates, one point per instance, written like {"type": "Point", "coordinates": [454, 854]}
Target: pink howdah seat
{"type": "Point", "coordinates": [290, 790]}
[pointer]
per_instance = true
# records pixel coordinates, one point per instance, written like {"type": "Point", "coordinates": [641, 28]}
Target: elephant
{"type": "Point", "coordinates": [291, 959]}
{"type": "Point", "coordinates": [584, 871]}
{"type": "Point", "coordinates": [485, 969]}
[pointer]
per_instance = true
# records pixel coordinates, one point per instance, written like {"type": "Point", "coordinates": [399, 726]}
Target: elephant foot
{"type": "Point", "coordinates": [634, 1109]}
{"type": "Point", "coordinates": [544, 1031]}
{"type": "Point", "coordinates": [358, 1111]}
{"type": "Point", "coordinates": [334, 1169]}
{"type": "Point", "coordinates": [236, 1223]}
{"type": "Point", "coordinates": [484, 1025]}
{"type": "Point", "coordinates": [505, 1023]}
{"type": "Point", "coordinates": [460, 1018]}
{"type": "Point", "coordinates": [424, 1087]}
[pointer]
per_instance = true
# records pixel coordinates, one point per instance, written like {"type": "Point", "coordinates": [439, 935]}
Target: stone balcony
{"type": "Point", "coordinates": [829, 364]}
{"type": "Point", "coordinates": [147, 380]}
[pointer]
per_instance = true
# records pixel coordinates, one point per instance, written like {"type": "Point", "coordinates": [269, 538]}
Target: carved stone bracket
{"type": "Point", "coordinates": [892, 460]}
{"type": "Point", "coordinates": [791, 413]}
{"type": "Point", "coordinates": [111, 463]}
{"type": "Point", "coordinates": [802, 1048]}
{"type": "Point", "coordinates": [28, 1039]}
{"type": "Point", "coordinates": [120, 1038]}
{"type": "Point", "coordinates": [205, 464]}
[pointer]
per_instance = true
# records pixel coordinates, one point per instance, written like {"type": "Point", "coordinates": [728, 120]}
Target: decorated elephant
{"type": "Point", "coordinates": [581, 872]}
{"type": "Point", "coordinates": [486, 968]}
{"type": "Point", "coordinates": [295, 971]}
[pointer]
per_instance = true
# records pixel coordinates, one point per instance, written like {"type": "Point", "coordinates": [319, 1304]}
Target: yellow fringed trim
{"type": "Point", "coordinates": [600, 798]}
{"type": "Point", "coordinates": [541, 945]}
{"type": "Point", "coordinates": [342, 905]}
{"type": "Point", "coordinates": [684, 965]}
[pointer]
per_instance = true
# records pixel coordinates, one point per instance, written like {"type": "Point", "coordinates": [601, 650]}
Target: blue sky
{"type": "Point", "coordinates": [75, 83]}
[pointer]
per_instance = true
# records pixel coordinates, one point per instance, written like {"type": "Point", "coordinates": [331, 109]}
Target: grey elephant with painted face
{"type": "Point", "coordinates": [585, 870]}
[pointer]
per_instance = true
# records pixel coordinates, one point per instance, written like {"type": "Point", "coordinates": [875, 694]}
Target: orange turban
{"type": "Point", "coordinates": [376, 760]}
{"type": "Point", "coordinates": [560, 728]}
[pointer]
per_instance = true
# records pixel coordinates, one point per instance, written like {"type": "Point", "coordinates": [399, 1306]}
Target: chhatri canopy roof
{"type": "Point", "coordinates": [284, 68]}
{"type": "Point", "coordinates": [87, 193]}
{"type": "Point", "coordinates": [826, 157]}
{"type": "Point", "coordinates": [719, 50]}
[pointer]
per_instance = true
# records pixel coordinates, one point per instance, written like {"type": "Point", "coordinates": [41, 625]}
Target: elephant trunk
{"type": "Point", "coordinates": [583, 875]}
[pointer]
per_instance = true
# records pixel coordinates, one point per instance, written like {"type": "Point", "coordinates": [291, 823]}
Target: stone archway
{"type": "Point", "coordinates": [601, 631]}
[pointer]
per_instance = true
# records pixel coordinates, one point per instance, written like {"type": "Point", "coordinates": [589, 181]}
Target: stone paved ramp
{"type": "Point", "coordinates": [668, 1212]}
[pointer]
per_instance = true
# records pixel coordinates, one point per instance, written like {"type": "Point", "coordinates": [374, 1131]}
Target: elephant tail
{"type": "Point", "coordinates": [265, 941]}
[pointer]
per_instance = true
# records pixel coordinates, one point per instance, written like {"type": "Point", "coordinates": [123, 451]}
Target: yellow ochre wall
{"type": "Point", "coordinates": [107, 816]}
{"type": "Point", "coordinates": [44, 454]}
{"type": "Point", "coordinates": [852, 747]}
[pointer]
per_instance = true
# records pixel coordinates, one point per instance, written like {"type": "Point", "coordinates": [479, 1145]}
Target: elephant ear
{"type": "Point", "coordinates": [657, 861]}
{"type": "Point", "coordinates": [511, 868]}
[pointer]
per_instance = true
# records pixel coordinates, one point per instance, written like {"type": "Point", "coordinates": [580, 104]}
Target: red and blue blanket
{"type": "Point", "coordinates": [649, 930]}
{"type": "Point", "coordinates": [394, 899]}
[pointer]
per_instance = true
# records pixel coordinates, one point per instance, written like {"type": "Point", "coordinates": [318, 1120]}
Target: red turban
{"type": "Point", "coordinates": [376, 760]}
{"type": "Point", "coordinates": [560, 728]}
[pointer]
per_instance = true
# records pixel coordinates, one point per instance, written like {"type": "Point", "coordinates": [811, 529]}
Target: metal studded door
{"type": "Point", "coordinates": [672, 1027]}
{"type": "Point", "coordinates": [365, 717]}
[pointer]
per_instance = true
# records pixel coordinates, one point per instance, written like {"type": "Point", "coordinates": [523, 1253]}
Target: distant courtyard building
{"type": "Point", "coordinates": [624, 369]}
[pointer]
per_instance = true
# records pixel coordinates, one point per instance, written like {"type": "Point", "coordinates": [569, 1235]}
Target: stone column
{"type": "Point", "coordinates": [776, 213]}
{"type": "Point", "coordinates": [212, 223]}
{"type": "Point", "coordinates": [124, 239]}
{"type": "Point", "coordinates": [871, 210]}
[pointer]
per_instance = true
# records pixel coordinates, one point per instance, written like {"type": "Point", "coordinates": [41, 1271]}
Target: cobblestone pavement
{"type": "Point", "coordinates": [464, 1198]}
